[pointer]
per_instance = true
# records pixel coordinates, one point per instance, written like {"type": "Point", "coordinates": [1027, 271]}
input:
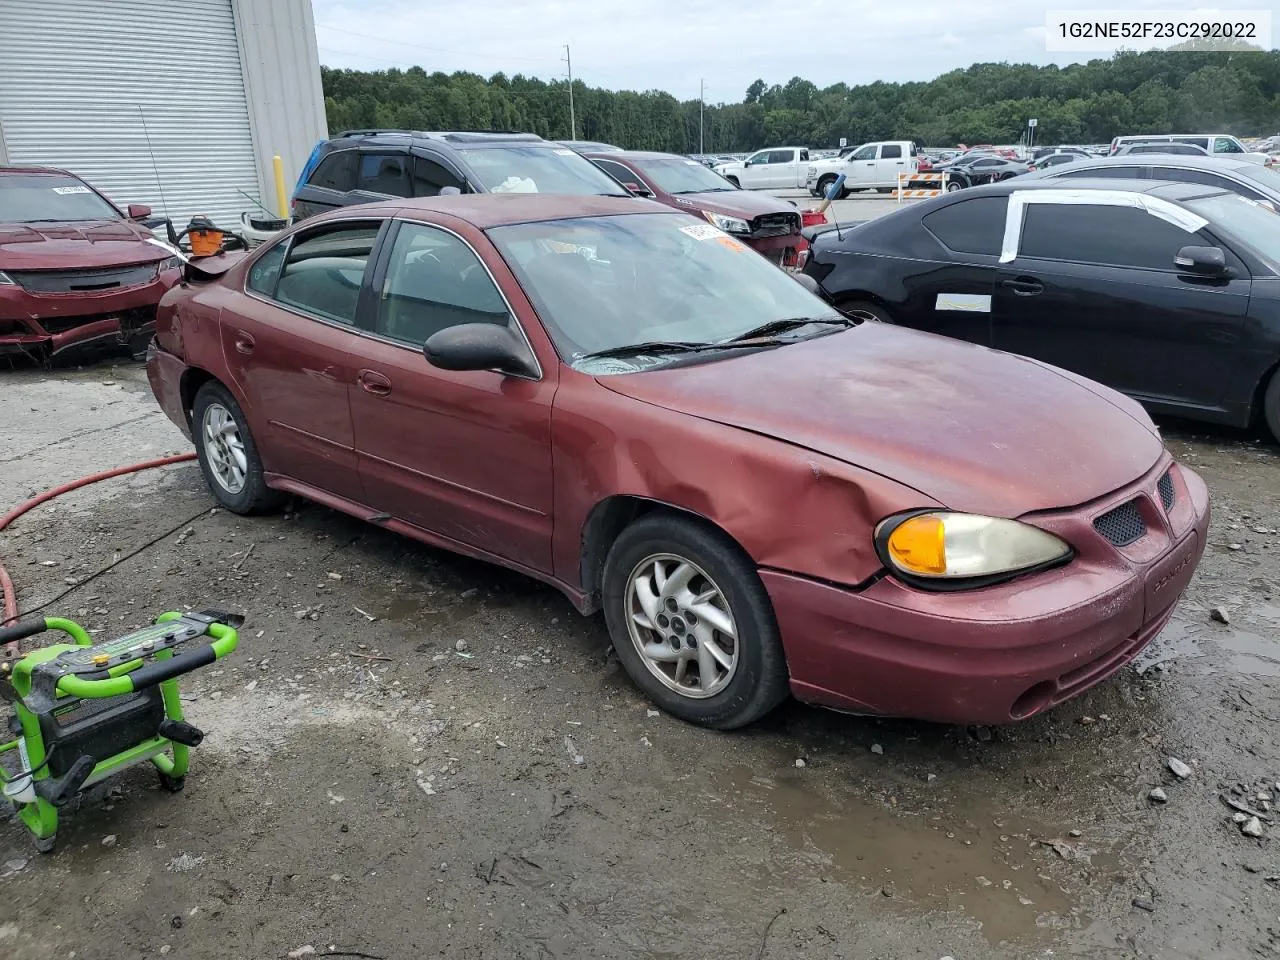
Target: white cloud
{"type": "Point", "coordinates": [671, 44]}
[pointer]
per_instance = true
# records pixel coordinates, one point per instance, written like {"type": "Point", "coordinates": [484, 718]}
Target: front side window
{"type": "Point", "coordinates": [1226, 145]}
{"type": "Point", "coordinates": [1253, 226]}
{"type": "Point", "coordinates": [429, 178]}
{"type": "Point", "coordinates": [530, 168]}
{"type": "Point", "coordinates": [324, 272]}
{"type": "Point", "coordinates": [1108, 235]}
{"type": "Point", "coordinates": [865, 153]}
{"type": "Point", "coordinates": [336, 172]}
{"type": "Point", "coordinates": [266, 270]}
{"type": "Point", "coordinates": [970, 226]}
{"type": "Point", "coordinates": [624, 175]}
{"type": "Point", "coordinates": [385, 173]}
{"type": "Point", "coordinates": [50, 198]}
{"type": "Point", "coordinates": [604, 283]}
{"type": "Point", "coordinates": [1207, 179]}
{"type": "Point", "coordinates": [890, 151]}
{"type": "Point", "coordinates": [675, 175]}
{"type": "Point", "coordinates": [435, 280]}
{"type": "Point", "coordinates": [758, 158]}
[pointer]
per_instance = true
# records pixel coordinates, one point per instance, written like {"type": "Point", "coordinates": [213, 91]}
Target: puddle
{"type": "Point", "coordinates": [985, 864]}
{"type": "Point", "coordinates": [1254, 652]}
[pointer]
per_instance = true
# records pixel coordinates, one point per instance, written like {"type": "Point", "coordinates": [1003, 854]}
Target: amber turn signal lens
{"type": "Point", "coordinates": [919, 545]}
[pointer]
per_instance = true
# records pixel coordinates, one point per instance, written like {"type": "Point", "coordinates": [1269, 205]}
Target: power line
{"type": "Point", "coordinates": [420, 46]}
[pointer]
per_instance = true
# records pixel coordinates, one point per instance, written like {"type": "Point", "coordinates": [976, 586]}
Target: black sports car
{"type": "Point", "coordinates": [1169, 292]}
{"type": "Point", "coordinates": [976, 169]}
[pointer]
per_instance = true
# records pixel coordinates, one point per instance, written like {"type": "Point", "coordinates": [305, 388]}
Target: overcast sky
{"type": "Point", "coordinates": [672, 44]}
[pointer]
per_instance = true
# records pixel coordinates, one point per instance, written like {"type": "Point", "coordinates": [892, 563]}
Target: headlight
{"type": "Point", "coordinates": [950, 548]}
{"type": "Point", "coordinates": [5, 278]}
{"type": "Point", "coordinates": [727, 224]}
{"type": "Point", "coordinates": [171, 263]}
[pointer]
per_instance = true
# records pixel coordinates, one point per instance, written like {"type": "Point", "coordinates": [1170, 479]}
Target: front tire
{"type": "Point", "coordinates": [1271, 405]}
{"type": "Point", "coordinates": [866, 310]}
{"type": "Point", "coordinates": [227, 452]}
{"type": "Point", "coordinates": [692, 624]}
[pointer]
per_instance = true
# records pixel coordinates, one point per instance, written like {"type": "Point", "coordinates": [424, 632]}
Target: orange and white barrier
{"type": "Point", "coordinates": [910, 194]}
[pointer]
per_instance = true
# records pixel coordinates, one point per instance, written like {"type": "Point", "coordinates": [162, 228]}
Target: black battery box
{"type": "Point", "coordinates": [99, 728]}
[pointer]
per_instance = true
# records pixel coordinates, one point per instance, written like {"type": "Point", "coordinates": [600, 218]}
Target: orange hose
{"type": "Point", "coordinates": [6, 584]}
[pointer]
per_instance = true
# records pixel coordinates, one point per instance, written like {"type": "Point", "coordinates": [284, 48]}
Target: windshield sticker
{"type": "Point", "coordinates": [967, 302]}
{"type": "Point", "coordinates": [64, 191]}
{"type": "Point", "coordinates": [731, 244]}
{"type": "Point", "coordinates": [702, 231]}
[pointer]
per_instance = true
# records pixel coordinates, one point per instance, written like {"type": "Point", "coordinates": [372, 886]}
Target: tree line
{"type": "Point", "coordinates": [1151, 92]}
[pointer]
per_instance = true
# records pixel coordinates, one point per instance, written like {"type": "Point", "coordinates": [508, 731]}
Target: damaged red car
{"type": "Point", "coordinates": [74, 268]}
{"type": "Point", "coordinates": [763, 496]}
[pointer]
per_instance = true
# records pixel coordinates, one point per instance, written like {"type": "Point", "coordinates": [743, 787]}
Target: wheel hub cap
{"type": "Point", "coordinates": [224, 448]}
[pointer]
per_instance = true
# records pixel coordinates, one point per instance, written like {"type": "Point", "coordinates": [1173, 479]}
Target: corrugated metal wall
{"type": "Point", "coordinates": [146, 99]}
{"type": "Point", "coordinates": [282, 75]}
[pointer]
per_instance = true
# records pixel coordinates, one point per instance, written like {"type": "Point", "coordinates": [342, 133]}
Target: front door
{"type": "Point", "coordinates": [463, 454]}
{"type": "Point", "coordinates": [1094, 289]}
{"type": "Point", "coordinates": [289, 349]}
{"type": "Point", "coordinates": [755, 172]}
{"type": "Point", "coordinates": [862, 168]}
{"type": "Point", "coordinates": [889, 164]}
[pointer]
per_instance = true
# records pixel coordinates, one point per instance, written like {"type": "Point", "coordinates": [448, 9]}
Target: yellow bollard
{"type": "Point", "coordinates": [282, 200]}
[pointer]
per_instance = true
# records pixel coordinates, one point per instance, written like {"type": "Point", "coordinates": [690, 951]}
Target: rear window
{"type": "Point", "coordinates": [890, 151]}
{"type": "Point", "coordinates": [50, 198]}
{"type": "Point", "coordinates": [539, 169]}
{"type": "Point", "coordinates": [970, 226]}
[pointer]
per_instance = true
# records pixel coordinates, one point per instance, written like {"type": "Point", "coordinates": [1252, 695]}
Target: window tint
{"type": "Point", "coordinates": [1206, 178]}
{"type": "Point", "coordinates": [761, 157]}
{"type": "Point", "coordinates": [989, 162]}
{"type": "Point", "coordinates": [1116, 236]}
{"type": "Point", "coordinates": [1202, 142]}
{"type": "Point", "coordinates": [434, 281]}
{"type": "Point", "coordinates": [429, 178]}
{"type": "Point", "coordinates": [804, 155]}
{"type": "Point", "coordinates": [1226, 145]}
{"type": "Point", "coordinates": [385, 173]}
{"type": "Point", "coordinates": [618, 171]}
{"type": "Point", "coordinates": [890, 151]}
{"type": "Point", "coordinates": [865, 153]}
{"type": "Point", "coordinates": [970, 226]}
{"type": "Point", "coordinates": [336, 172]}
{"type": "Point", "coordinates": [781, 156]}
{"type": "Point", "coordinates": [266, 270]}
{"type": "Point", "coordinates": [324, 272]}
{"type": "Point", "coordinates": [1059, 158]}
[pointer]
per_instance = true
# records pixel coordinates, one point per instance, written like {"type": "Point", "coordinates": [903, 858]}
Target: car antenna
{"type": "Point", "coordinates": [155, 170]}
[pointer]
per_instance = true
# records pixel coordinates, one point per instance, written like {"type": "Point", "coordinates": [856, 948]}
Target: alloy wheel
{"type": "Point", "coordinates": [224, 448]}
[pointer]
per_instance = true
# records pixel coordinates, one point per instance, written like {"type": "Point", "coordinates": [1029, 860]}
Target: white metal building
{"type": "Point", "coordinates": [180, 104]}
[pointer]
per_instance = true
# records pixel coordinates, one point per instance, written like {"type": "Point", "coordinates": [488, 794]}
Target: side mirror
{"type": "Point", "coordinates": [746, 163]}
{"type": "Point", "coordinates": [450, 192]}
{"type": "Point", "coordinates": [808, 283]}
{"type": "Point", "coordinates": [139, 211]}
{"type": "Point", "coordinates": [1202, 261]}
{"type": "Point", "coordinates": [479, 346]}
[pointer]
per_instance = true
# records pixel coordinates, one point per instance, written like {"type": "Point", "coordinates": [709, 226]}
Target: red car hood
{"type": "Point", "coordinates": [975, 429]}
{"type": "Point", "coordinates": [734, 203]}
{"type": "Point", "coordinates": [67, 246]}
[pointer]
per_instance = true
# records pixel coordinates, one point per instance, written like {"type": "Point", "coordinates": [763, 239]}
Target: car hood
{"type": "Point", "coordinates": [975, 429]}
{"type": "Point", "coordinates": [735, 203]}
{"type": "Point", "coordinates": [63, 246]}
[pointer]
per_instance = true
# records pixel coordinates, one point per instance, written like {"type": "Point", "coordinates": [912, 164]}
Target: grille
{"type": "Point", "coordinates": [775, 225]}
{"type": "Point", "coordinates": [83, 281]}
{"type": "Point", "coordinates": [1123, 525]}
{"type": "Point", "coordinates": [1166, 490]}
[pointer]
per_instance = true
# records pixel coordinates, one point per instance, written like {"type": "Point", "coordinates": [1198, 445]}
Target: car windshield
{"type": "Point", "coordinates": [603, 283]}
{"type": "Point", "coordinates": [50, 198]}
{"type": "Point", "coordinates": [1250, 222]}
{"type": "Point", "coordinates": [677, 175]}
{"type": "Point", "coordinates": [539, 169]}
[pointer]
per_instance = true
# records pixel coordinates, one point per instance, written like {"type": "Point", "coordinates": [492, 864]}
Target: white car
{"type": "Point", "coordinates": [778, 168]}
{"type": "Point", "coordinates": [1215, 144]}
{"type": "Point", "coordinates": [870, 166]}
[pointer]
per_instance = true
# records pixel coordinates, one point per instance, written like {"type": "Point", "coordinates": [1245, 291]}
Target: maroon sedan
{"type": "Point", "coordinates": [762, 495]}
{"type": "Point", "coordinates": [768, 225]}
{"type": "Point", "coordinates": [73, 267]}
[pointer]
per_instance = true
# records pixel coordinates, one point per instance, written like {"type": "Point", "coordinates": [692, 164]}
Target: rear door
{"type": "Point", "coordinates": [290, 347]}
{"type": "Point", "coordinates": [952, 296]}
{"type": "Point", "coordinates": [890, 162]}
{"type": "Point", "coordinates": [327, 187]}
{"type": "Point", "coordinates": [1093, 288]}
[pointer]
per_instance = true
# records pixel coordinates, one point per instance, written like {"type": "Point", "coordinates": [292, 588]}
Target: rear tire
{"type": "Point", "coordinates": [228, 455]}
{"type": "Point", "coordinates": [1271, 405]}
{"type": "Point", "coordinates": [680, 599]}
{"type": "Point", "coordinates": [864, 307]}
{"type": "Point", "coordinates": [954, 185]}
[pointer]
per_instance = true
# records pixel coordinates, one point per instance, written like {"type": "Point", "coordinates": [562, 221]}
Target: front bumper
{"type": "Point", "coordinates": [1004, 653]}
{"type": "Point", "coordinates": [42, 324]}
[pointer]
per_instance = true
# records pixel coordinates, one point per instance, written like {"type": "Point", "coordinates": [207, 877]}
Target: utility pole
{"type": "Point", "coordinates": [702, 90]}
{"type": "Point", "coordinates": [573, 128]}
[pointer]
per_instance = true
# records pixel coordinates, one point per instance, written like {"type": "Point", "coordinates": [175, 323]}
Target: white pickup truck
{"type": "Point", "coordinates": [870, 166]}
{"type": "Point", "coordinates": [778, 168]}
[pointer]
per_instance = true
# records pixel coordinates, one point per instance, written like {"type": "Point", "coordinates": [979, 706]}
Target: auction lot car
{"type": "Point", "coordinates": [762, 495]}
{"type": "Point", "coordinates": [74, 269]}
{"type": "Point", "coordinates": [768, 225]}
{"type": "Point", "coordinates": [975, 169]}
{"type": "Point", "coordinates": [363, 166]}
{"type": "Point", "coordinates": [1169, 292]}
{"type": "Point", "coordinates": [1258, 183]}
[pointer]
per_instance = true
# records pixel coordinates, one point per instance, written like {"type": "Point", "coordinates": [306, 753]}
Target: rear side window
{"type": "Point", "coordinates": [266, 270]}
{"type": "Point", "coordinates": [385, 173]}
{"type": "Point", "coordinates": [1114, 236]}
{"type": "Point", "coordinates": [970, 226]}
{"type": "Point", "coordinates": [890, 151]}
{"type": "Point", "coordinates": [336, 172]}
{"type": "Point", "coordinates": [324, 272]}
{"type": "Point", "coordinates": [429, 178]}
{"type": "Point", "coordinates": [781, 156]}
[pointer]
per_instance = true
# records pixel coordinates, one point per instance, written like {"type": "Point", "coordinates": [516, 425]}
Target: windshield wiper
{"type": "Point", "coordinates": [661, 346]}
{"type": "Point", "coordinates": [774, 327]}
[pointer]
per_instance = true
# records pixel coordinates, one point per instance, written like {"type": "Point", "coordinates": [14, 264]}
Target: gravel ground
{"type": "Point", "coordinates": [413, 754]}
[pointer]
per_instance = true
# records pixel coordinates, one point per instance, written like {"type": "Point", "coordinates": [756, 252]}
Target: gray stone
{"type": "Point", "coordinates": [1158, 796]}
{"type": "Point", "coordinates": [1179, 769]}
{"type": "Point", "coordinates": [877, 749]}
{"type": "Point", "coordinates": [1251, 827]}
{"type": "Point", "coordinates": [1220, 615]}
{"type": "Point", "coordinates": [1239, 817]}
{"type": "Point", "coordinates": [461, 646]}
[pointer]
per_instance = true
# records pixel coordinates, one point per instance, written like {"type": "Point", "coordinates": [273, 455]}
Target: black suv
{"type": "Point", "coordinates": [360, 166]}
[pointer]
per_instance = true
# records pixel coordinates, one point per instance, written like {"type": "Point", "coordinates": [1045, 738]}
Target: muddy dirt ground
{"type": "Point", "coordinates": [415, 755]}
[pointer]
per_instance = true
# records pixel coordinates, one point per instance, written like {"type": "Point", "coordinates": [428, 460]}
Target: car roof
{"type": "Point", "coordinates": [29, 170]}
{"type": "Point", "coordinates": [455, 138]}
{"type": "Point", "coordinates": [485, 210]}
{"type": "Point", "coordinates": [1186, 161]}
